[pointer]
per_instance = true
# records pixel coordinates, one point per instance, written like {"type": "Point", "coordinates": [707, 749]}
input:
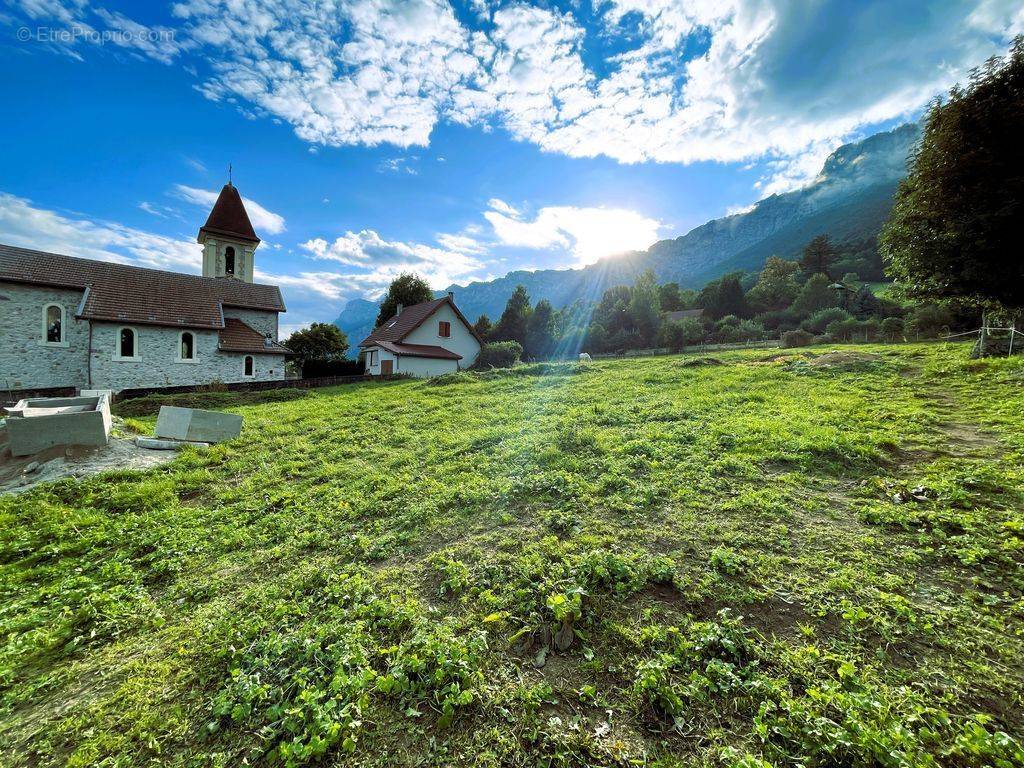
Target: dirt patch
{"type": "Point", "coordinates": [836, 362]}
{"type": "Point", "coordinates": [967, 439]}
{"type": "Point", "coordinates": [72, 461]}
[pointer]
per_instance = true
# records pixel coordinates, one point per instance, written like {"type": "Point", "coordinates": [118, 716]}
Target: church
{"type": "Point", "coordinates": [67, 322]}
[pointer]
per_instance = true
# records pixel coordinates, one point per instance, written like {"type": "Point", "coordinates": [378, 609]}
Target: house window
{"type": "Point", "coordinates": [229, 261]}
{"type": "Point", "coordinates": [444, 329]}
{"type": "Point", "coordinates": [187, 346]}
{"type": "Point", "coordinates": [127, 344]}
{"type": "Point", "coordinates": [249, 365]}
{"type": "Point", "coordinates": [53, 324]}
{"type": "Point", "coordinates": [372, 357]}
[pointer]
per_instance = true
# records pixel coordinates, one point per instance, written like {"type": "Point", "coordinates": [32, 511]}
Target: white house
{"type": "Point", "coordinates": [70, 323]}
{"type": "Point", "coordinates": [423, 340]}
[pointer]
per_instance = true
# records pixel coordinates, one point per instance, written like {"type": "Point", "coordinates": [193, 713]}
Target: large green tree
{"type": "Point", "coordinates": [645, 306]}
{"type": "Point", "coordinates": [955, 229]}
{"type": "Point", "coordinates": [320, 342]}
{"type": "Point", "coordinates": [541, 331]}
{"type": "Point", "coordinates": [776, 285]}
{"type": "Point", "coordinates": [512, 325]}
{"type": "Point", "coordinates": [818, 256]}
{"type": "Point", "coordinates": [816, 294]}
{"type": "Point", "coordinates": [406, 289]}
{"type": "Point", "coordinates": [724, 297]}
{"type": "Point", "coordinates": [483, 327]}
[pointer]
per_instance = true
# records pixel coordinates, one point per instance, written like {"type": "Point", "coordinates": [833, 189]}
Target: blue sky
{"type": "Point", "coordinates": [458, 140]}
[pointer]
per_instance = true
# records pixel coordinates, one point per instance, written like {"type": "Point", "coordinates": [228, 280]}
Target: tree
{"type": "Point", "coordinates": [406, 289]}
{"type": "Point", "coordinates": [677, 334]}
{"type": "Point", "coordinates": [645, 307]}
{"type": "Point", "coordinates": [892, 329]}
{"type": "Point", "coordinates": [541, 331]}
{"type": "Point", "coordinates": [776, 285]}
{"type": "Point", "coordinates": [818, 255]}
{"type": "Point", "coordinates": [670, 297]}
{"type": "Point", "coordinates": [954, 230]}
{"type": "Point", "coordinates": [483, 326]}
{"type": "Point", "coordinates": [512, 324]}
{"type": "Point", "coordinates": [724, 297]}
{"type": "Point", "coordinates": [864, 303]}
{"type": "Point", "coordinates": [928, 321]}
{"type": "Point", "coordinates": [320, 342]}
{"type": "Point", "coordinates": [815, 294]}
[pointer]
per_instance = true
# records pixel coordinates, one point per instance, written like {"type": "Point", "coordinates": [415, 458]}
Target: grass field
{"type": "Point", "coordinates": [772, 561]}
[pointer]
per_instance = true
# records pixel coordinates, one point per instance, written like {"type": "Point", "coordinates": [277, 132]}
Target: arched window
{"type": "Point", "coordinates": [127, 343]}
{"type": "Point", "coordinates": [249, 366]}
{"type": "Point", "coordinates": [229, 261]}
{"type": "Point", "coordinates": [53, 324]}
{"type": "Point", "coordinates": [187, 348]}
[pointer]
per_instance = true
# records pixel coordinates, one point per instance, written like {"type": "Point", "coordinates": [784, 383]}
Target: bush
{"type": "Point", "coordinates": [823, 338]}
{"type": "Point", "coordinates": [892, 329]}
{"type": "Point", "coordinates": [499, 354]}
{"type": "Point", "coordinates": [676, 334]}
{"type": "Point", "coordinates": [751, 330]}
{"type": "Point", "coordinates": [928, 321]}
{"type": "Point", "coordinates": [843, 330]}
{"type": "Point", "coordinates": [796, 339]}
{"type": "Point", "coordinates": [820, 320]}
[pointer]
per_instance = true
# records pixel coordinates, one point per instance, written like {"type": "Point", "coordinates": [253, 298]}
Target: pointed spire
{"type": "Point", "coordinates": [228, 217]}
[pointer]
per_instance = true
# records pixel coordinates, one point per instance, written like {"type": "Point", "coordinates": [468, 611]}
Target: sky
{"type": "Point", "coordinates": [459, 140]}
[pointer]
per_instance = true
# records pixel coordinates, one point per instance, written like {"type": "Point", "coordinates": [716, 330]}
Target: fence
{"type": "Point", "coordinates": [245, 386]}
{"type": "Point", "coordinates": [765, 344]}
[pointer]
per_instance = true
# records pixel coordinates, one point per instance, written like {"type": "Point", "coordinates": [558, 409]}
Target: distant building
{"type": "Point", "coordinates": [426, 339]}
{"type": "Point", "coordinates": [69, 322]}
{"type": "Point", "coordinates": [682, 314]}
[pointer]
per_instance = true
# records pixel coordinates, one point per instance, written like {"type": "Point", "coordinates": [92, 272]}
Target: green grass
{"type": "Point", "coordinates": [635, 562]}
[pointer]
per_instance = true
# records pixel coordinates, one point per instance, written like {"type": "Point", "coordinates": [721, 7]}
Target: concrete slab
{"type": "Point", "coordinates": [196, 425]}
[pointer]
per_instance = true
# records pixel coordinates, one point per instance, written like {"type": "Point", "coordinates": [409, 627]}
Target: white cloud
{"type": "Point", "coordinates": [263, 221]}
{"type": "Point", "coordinates": [588, 233]}
{"type": "Point", "coordinates": [379, 260]}
{"type": "Point", "coordinates": [719, 80]}
{"type": "Point", "coordinates": [502, 207]}
{"type": "Point", "coordinates": [25, 225]}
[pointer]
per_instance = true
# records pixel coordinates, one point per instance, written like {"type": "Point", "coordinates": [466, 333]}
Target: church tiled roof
{"type": "Point", "coordinates": [228, 217]}
{"type": "Point", "coordinates": [237, 336]}
{"type": "Point", "coordinates": [122, 293]}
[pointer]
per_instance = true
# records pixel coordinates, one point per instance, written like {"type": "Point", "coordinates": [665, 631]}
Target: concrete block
{"type": "Point", "coordinates": [196, 425]}
{"type": "Point", "coordinates": [96, 393]}
{"type": "Point", "coordinates": [36, 424]}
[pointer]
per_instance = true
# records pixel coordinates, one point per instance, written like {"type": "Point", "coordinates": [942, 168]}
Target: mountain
{"type": "Point", "coordinates": [850, 199]}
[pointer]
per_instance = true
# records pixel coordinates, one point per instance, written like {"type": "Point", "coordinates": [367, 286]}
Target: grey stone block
{"type": "Point", "coordinates": [196, 425]}
{"type": "Point", "coordinates": [36, 424]}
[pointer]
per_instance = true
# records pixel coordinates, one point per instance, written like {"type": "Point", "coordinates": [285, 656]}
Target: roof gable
{"type": "Point", "coordinates": [401, 325]}
{"type": "Point", "coordinates": [122, 293]}
{"type": "Point", "coordinates": [229, 217]}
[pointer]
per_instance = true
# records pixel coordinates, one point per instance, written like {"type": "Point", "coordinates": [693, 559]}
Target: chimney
{"type": "Point", "coordinates": [398, 310]}
{"type": "Point", "coordinates": [451, 295]}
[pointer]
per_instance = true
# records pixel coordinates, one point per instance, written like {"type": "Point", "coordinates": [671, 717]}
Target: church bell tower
{"type": "Point", "coordinates": [228, 238]}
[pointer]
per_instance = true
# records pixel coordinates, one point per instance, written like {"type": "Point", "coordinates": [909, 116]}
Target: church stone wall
{"type": "Point", "coordinates": [158, 364]}
{"type": "Point", "coordinates": [25, 361]}
{"type": "Point", "coordinates": [264, 322]}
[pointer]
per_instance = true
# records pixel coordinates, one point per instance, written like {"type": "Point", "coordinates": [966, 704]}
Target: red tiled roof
{"type": "Point", "coordinates": [237, 336]}
{"type": "Point", "coordinates": [411, 318]}
{"type": "Point", "coordinates": [417, 350]}
{"type": "Point", "coordinates": [121, 293]}
{"type": "Point", "coordinates": [228, 217]}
